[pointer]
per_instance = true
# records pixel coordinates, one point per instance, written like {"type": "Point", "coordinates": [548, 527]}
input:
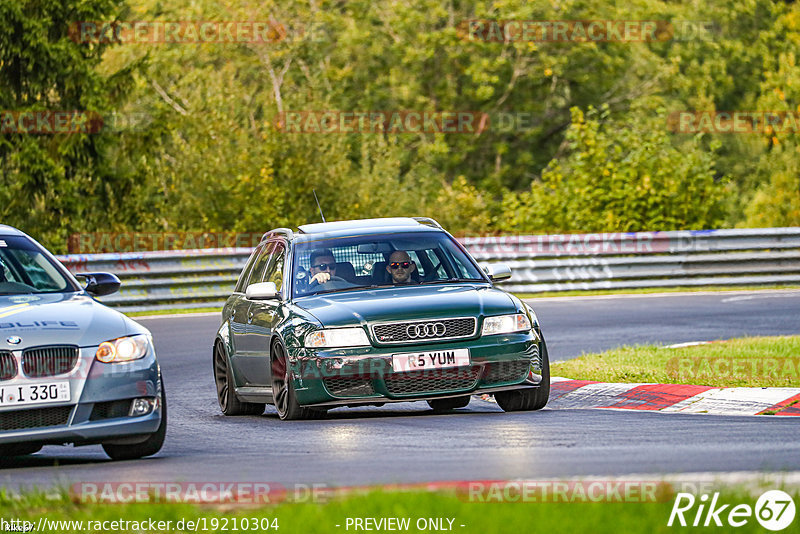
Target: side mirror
{"type": "Point", "coordinates": [262, 291]}
{"type": "Point", "coordinates": [496, 271]}
{"type": "Point", "coordinates": [99, 284]}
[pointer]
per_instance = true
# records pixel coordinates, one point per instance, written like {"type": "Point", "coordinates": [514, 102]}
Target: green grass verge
{"type": "Point", "coordinates": [746, 362]}
{"type": "Point", "coordinates": [483, 518]}
{"type": "Point", "coordinates": [649, 290]}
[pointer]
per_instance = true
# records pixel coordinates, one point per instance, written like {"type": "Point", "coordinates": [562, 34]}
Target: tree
{"type": "Point", "coordinates": [55, 184]}
{"type": "Point", "coordinates": [620, 174]}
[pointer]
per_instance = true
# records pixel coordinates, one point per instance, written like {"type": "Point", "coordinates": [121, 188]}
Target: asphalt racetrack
{"type": "Point", "coordinates": [407, 443]}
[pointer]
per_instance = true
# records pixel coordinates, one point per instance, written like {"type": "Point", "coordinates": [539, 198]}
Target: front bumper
{"type": "Point", "coordinates": [364, 375]}
{"type": "Point", "coordinates": [100, 395]}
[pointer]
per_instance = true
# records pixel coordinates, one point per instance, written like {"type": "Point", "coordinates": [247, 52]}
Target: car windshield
{"type": "Point", "coordinates": [24, 269]}
{"type": "Point", "coordinates": [347, 263]}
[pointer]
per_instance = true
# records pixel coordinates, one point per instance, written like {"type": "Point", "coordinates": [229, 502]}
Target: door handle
{"type": "Point", "coordinates": [249, 317]}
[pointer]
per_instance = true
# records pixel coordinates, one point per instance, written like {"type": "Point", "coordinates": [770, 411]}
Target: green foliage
{"type": "Point", "coordinates": [777, 200]}
{"type": "Point", "coordinates": [51, 185]}
{"type": "Point", "coordinates": [210, 156]}
{"type": "Point", "coordinates": [619, 176]}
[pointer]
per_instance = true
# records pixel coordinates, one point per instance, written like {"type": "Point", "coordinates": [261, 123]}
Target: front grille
{"type": "Point", "coordinates": [424, 331]}
{"type": "Point", "coordinates": [39, 417]}
{"type": "Point", "coordinates": [8, 366]}
{"type": "Point", "coordinates": [508, 371]}
{"type": "Point", "coordinates": [49, 361]}
{"type": "Point", "coordinates": [433, 380]}
{"type": "Point", "coordinates": [110, 410]}
{"type": "Point", "coordinates": [349, 386]}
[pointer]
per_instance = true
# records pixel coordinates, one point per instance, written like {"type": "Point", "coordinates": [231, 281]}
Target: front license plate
{"type": "Point", "coordinates": [34, 394]}
{"type": "Point", "coordinates": [435, 359]}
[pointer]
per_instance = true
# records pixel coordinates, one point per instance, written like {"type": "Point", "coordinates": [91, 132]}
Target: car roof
{"type": "Point", "coordinates": [9, 230]}
{"type": "Point", "coordinates": [383, 223]}
{"type": "Point", "coordinates": [311, 232]}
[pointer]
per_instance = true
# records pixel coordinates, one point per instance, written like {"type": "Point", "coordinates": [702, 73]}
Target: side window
{"type": "Point", "coordinates": [257, 274]}
{"type": "Point", "coordinates": [274, 271]}
{"type": "Point", "coordinates": [415, 258]}
{"type": "Point", "coordinates": [463, 272]}
{"type": "Point", "coordinates": [242, 284]}
{"type": "Point", "coordinates": [436, 262]}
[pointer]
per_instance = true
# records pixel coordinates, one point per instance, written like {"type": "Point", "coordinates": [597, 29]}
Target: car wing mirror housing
{"type": "Point", "coordinates": [99, 284]}
{"type": "Point", "coordinates": [496, 271]}
{"type": "Point", "coordinates": [263, 291]}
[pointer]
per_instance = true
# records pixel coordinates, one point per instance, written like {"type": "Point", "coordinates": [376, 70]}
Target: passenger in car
{"type": "Point", "coordinates": [401, 267]}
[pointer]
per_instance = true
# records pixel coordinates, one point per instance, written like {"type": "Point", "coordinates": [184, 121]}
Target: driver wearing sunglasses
{"type": "Point", "coordinates": [323, 266]}
{"type": "Point", "coordinates": [401, 267]}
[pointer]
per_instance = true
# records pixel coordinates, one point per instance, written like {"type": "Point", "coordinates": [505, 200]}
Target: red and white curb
{"type": "Point", "coordinates": [568, 394]}
{"type": "Point", "coordinates": [674, 398]}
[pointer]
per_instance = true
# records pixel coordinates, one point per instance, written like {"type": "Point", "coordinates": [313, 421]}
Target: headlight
{"type": "Point", "coordinates": [122, 349]}
{"type": "Point", "coordinates": [337, 337]}
{"type": "Point", "coordinates": [506, 324]}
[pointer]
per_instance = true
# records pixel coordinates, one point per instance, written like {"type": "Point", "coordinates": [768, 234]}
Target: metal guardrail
{"type": "Point", "coordinates": [189, 279]}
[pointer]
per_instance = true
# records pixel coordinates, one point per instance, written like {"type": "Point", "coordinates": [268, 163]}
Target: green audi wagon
{"type": "Point", "coordinates": [370, 312]}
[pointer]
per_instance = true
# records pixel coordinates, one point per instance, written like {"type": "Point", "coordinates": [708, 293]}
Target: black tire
{"type": "Point", "coordinates": [528, 399]}
{"type": "Point", "coordinates": [283, 390]}
{"type": "Point", "coordinates": [19, 449]}
{"type": "Point", "coordinates": [149, 446]}
{"type": "Point", "coordinates": [229, 403]}
{"type": "Point", "coordinates": [445, 405]}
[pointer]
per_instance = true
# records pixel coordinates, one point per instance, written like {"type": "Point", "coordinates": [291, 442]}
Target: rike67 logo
{"type": "Point", "coordinates": [774, 510]}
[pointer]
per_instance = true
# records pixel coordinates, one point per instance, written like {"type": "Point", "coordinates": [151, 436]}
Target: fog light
{"type": "Point", "coordinates": [141, 407]}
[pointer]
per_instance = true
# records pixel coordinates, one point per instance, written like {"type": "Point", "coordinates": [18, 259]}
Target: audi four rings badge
{"type": "Point", "coordinates": [418, 331]}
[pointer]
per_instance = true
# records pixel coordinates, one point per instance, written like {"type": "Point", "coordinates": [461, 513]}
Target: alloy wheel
{"type": "Point", "coordinates": [280, 382]}
{"type": "Point", "coordinates": [221, 376]}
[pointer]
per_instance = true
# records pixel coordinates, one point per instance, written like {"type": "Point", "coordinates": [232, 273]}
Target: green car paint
{"type": "Point", "coordinates": [455, 295]}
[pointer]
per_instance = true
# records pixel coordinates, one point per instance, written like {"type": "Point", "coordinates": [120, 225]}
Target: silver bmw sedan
{"type": "Point", "coordinates": [72, 371]}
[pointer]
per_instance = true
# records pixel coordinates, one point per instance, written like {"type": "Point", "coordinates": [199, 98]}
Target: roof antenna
{"type": "Point", "coordinates": [318, 206]}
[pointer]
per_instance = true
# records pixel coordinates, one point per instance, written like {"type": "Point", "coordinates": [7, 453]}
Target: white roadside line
{"type": "Point", "coordinates": [760, 296]}
{"type": "Point", "coordinates": [688, 344]}
{"type": "Point", "coordinates": [755, 293]}
{"type": "Point", "coordinates": [176, 315]}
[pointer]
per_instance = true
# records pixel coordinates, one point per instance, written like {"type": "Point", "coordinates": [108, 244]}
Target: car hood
{"type": "Point", "coordinates": [407, 303]}
{"type": "Point", "coordinates": [60, 318]}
